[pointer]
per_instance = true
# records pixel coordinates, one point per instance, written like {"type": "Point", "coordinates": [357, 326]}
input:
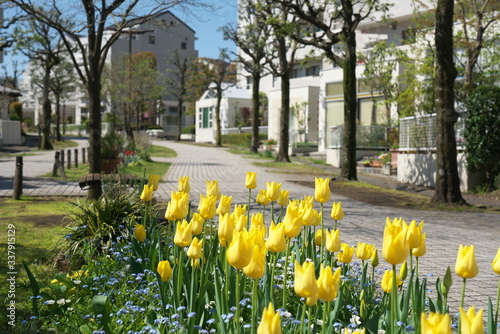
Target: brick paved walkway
{"type": "Point", "coordinates": [363, 222]}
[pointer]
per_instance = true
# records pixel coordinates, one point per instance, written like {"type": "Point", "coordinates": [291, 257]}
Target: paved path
{"type": "Point", "coordinates": [362, 222]}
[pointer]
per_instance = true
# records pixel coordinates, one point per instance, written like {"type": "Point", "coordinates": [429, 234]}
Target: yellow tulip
{"type": "Point", "coordinates": [322, 191]}
{"type": "Point", "coordinates": [262, 198]}
{"type": "Point", "coordinates": [226, 228]}
{"type": "Point", "coordinates": [251, 180]}
{"type": "Point", "coordinates": [256, 236]}
{"type": "Point", "coordinates": [257, 220]}
{"type": "Point", "coordinates": [184, 184]}
{"type": "Point", "coordinates": [283, 199]}
{"type": "Point", "coordinates": [471, 322]}
{"type": "Point", "coordinates": [165, 270]}
{"type": "Point", "coordinates": [413, 235]}
{"type": "Point", "coordinates": [436, 323]}
{"type": "Point", "coordinates": [273, 191]}
{"type": "Point", "coordinates": [495, 265]}
{"type": "Point", "coordinates": [308, 217]}
{"type": "Point", "coordinates": [224, 204]}
{"type": "Point", "coordinates": [257, 266]}
{"type": "Point", "coordinates": [337, 212]}
{"type": "Point", "coordinates": [195, 251]}
{"type": "Point", "coordinates": [345, 254]}
{"type": "Point", "coordinates": [328, 283]}
{"type": "Point", "coordinates": [395, 246]}
{"type": "Point", "coordinates": [364, 251]}
{"type": "Point", "coordinates": [387, 279]}
{"type": "Point", "coordinates": [276, 241]}
{"type": "Point", "coordinates": [183, 235]}
{"type": "Point", "coordinates": [178, 206]}
{"type": "Point", "coordinates": [374, 258]}
{"type": "Point", "coordinates": [305, 284]}
{"type": "Point", "coordinates": [195, 263]}
{"type": "Point", "coordinates": [153, 181]}
{"type": "Point", "coordinates": [139, 232]}
{"type": "Point", "coordinates": [207, 206]}
{"type": "Point", "coordinates": [292, 221]}
{"type": "Point", "coordinates": [196, 224]}
{"type": "Point", "coordinates": [420, 250]}
{"type": "Point", "coordinates": [332, 240]}
{"type": "Point", "coordinates": [147, 193]}
{"type": "Point", "coordinates": [317, 237]}
{"type": "Point", "coordinates": [213, 189]}
{"type": "Point", "coordinates": [357, 331]}
{"type": "Point", "coordinates": [240, 222]}
{"type": "Point", "coordinates": [238, 253]}
{"type": "Point", "coordinates": [270, 322]}
{"type": "Point", "coordinates": [466, 266]}
{"type": "Point", "coordinates": [239, 210]}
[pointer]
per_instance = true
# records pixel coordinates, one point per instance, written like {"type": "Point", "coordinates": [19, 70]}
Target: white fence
{"type": "Point", "coordinates": [371, 137]}
{"type": "Point", "coordinates": [419, 132]}
{"type": "Point", "coordinates": [10, 133]}
{"type": "Point", "coordinates": [245, 129]}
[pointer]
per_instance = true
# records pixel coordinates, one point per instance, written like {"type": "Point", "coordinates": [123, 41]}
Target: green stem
{"type": "Point", "coordinates": [461, 304]}
{"type": "Point", "coordinates": [326, 312]}
{"type": "Point", "coordinates": [495, 322]}
{"type": "Point", "coordinates": [271, 293]}
{"type": "Point", "coordinates": [248, 208]}
{"type": "Point", "coordinates": [255, 306]}
{"type": "Point", "coordinates": [309, 320]}
{"type": "Point", "coordinates": [272, 211]}
{"type": "Point", "coordinates": [335, 226]}
{"type": "Point", "coordinates": [285, 273]}
{"type": "Point", "coordinates": [238, 306]}
{"type": "Point", "coordinates": [394, 300]}
{"type": "Point", "coordinates": [302, 320]}
{"type": "Point", "coordinates": [322, 256]}
{"type": "Point", "coordinates": [180, 272]}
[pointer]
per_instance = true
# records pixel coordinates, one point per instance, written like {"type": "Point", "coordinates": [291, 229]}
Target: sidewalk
{"type": "Point", "coordinates": [446, 230]}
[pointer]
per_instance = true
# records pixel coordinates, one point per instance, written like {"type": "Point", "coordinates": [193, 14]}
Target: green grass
{"type": "Point", "coordinates": [39, 231]}
{"type": "Point", "coordinates": [162, 152]}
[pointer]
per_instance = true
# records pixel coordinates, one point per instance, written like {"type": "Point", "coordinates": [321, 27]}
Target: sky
{"type": "Point", "coordinates": [205, 23]}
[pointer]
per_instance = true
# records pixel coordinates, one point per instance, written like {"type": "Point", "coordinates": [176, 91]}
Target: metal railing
{"type": "Point", "coordinates": [372, 137]}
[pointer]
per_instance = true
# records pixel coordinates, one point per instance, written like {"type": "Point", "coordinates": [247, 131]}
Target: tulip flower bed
{"type": "Point", "coordinates": [220, 267]}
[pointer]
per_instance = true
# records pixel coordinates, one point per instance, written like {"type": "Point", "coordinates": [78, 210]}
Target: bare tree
{"type": "Point", "coordinates": [251, 41]}
{"type": "Point", "coordinates": [91, 18]}
{"type": "Point", "coordinates": [447, 179]}
{"type": "Point", "coordinates": [325, 31]}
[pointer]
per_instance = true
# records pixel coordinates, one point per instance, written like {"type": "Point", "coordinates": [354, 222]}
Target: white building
{"type": "Point", "coordinates": [234, 98]}
{"type": "Point", "coordinates": [161, 34]}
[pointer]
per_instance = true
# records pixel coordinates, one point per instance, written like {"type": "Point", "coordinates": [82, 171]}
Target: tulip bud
{"type": "Point", "coordinates": [436, 323]}
{"type": "Point", "coordinates": [239, 252]}
{"type": "Point", "coordinates": [273, 191]}
{"type": "Point", "coordinates": [262, 198]}
{"type": "Point", "coordinates": [447, 281]}
{"type": "Point", "coordinates": [276, 241]}
{"type": "Point", "coordinates": [140, 232]}
{"type": "Point", "coordinates": [395, 246]}
{"type": "Point", "coordinates": [183, 235]}
{"type": "Point", "coordinates": [195, 251]}
{"type": "Point", "coordinates": [207, 206]}
{"type": "Point", "coordinates": [337, 212]}
{"type": "Point", "coordinates": [153, 181]}
{"type": "Point", "coordinates": [184, 184]}
{"type": "Point", "coordinates": [403, 271]}
{"type": "Point", "coordinates": [165, 270]}
{"type": "Point", "coordinates": [322, 191]}
{"type": "Point", "coordinates": [363, 312]}
{"type": "Point", "coordinates": [196, 223]}
{"type": "Point", "coordinates": [374, 258]}
{"type": "Point", "coordinates": [226, 228]}
{"type": "Point", "coordinates": [471, 322]}
{"type": "Point", "coordinates": [251, 180]}
{"type": "Point", "coordinates": [328, 283]}
{"type": "Point", "coordinates": [147, 193]}
{"type": "Point", "coordinates": [270, 322]}
{"type": "Point", "coordinates": [213, 189]}
{"type": "Point", "coordinates": [466, 266]}
{"type": "Point", "coordinates": [332, 240]}
{"type": "Point", "coordinates": [364, 251]}
{"type": "Point", "coordinates": [495, 265]}
{"type": "Point", "coordinates": [283, 199]}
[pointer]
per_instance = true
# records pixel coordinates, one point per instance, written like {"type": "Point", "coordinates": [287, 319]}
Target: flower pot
{"type": "Point", "coordinates": [376, 163]}
{"type": "Point", "coordinates": [109, 166]}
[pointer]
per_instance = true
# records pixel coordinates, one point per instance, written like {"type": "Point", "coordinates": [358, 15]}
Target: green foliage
{"type": "Point", "coordinates": [240, 139]}
{"type": "Point", "coordinates": [191, 129]}
{"type": "Point", "coordinates": [101, 222]}
{"type": "Point", "coordinates": [112, 145]}
{"type": "Point", "coordinates": [482, 131]}
{"type": "Point", "coordinates": [17, 109]}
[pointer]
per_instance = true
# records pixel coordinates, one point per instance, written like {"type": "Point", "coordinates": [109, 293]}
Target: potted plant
{"type": "Point", "coordinates": [111, 150]}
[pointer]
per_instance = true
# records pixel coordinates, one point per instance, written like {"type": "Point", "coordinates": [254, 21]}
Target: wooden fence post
{"type": "Point", "coordinates": [18, 179]}
{"type": "Point", "coordinates": [69, 159]}
{"type": "Point", "coordinates": [76, 158]}
{"type": "Point", "coordinates": [83, 155]}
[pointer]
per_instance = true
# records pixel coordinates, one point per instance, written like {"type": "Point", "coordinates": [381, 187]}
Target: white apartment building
{"type": "Point", "coordinates": [161, 35]}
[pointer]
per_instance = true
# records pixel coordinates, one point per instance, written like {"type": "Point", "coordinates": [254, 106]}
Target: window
{"type": "Point", "coordinates": [205, 118]}
{"type": "Point", "coordinates": [294, 74]}
{"type": "Point", "coordinates": [249, 82]}
{"type": "Point", "coordinates": [183, 46]}
{"type": "Point", "coordinates": [334, 89]}
{"type": "Point", "coordinates": [408, 36]}
{"type": "Point", "coordinates": [312, 71]}
{"type": "Point", "coordinates": [151, 40]}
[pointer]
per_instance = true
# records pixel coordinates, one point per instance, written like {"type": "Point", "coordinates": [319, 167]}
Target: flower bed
{"type": "Point", "coordinates": [223, 268]}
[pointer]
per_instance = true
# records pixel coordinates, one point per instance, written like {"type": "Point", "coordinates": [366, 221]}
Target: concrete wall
{"type": "Point", "coordinates": [10, 133]}
{"type": "Point", "coordinates": [420, 169]}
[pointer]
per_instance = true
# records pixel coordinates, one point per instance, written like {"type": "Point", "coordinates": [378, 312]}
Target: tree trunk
{"type": "Point", "coordinates": [58, 118]}
{"type": "Point", "coordinates": [447, 179]}
{"type": "Point", "coordinates": [284, 119]}
{"type": "Point", "coordinates": [254, 144]}
{"type": "Point", "coordinates": [45, 142]}
{"type": "Point", "coordinates": [94, 90]}
{"type": "Point", "coordinates": [179, 119]}
{"type": "Point", "coordinates": [218, 136]}
{"type": "Point", "coordinates": [348, 170]}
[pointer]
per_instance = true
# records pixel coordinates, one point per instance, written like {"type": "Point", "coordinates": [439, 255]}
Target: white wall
{"type": "Point", "coordinates": [10, 133]}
